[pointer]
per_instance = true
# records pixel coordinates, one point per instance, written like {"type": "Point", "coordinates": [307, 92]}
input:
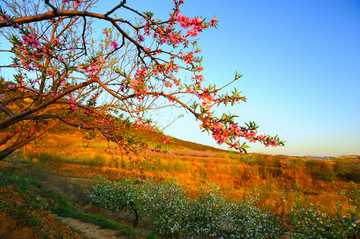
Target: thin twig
{"type": "Point", "coordinates": [115, 8]}
{"type": "Point", "coordinates": [83, 35]}
{"type": "Point", "coordinates": [50, 5]}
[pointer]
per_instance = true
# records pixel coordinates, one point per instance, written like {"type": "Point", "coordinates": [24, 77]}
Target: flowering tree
{"type": "Point", "coordinates": [109, 81]}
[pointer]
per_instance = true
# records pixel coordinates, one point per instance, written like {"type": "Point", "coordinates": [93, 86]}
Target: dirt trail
{"type": "Point", "coordinates": [90, 230]}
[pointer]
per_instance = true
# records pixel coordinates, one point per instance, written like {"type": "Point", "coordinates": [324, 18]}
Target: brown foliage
{"type": "Point", "coordinates": [18, 219]}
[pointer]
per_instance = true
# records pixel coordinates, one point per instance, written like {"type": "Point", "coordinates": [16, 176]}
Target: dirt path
{"type": "Point", "coordinates": [65, 186]}
{"type": "Point", "coordinates": [90, 230]}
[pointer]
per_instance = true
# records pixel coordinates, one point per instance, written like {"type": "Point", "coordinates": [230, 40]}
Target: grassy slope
{"type": "Point", "coordinates": [68, 154]}
{"type": "Point", "coordinates": [195, 165]}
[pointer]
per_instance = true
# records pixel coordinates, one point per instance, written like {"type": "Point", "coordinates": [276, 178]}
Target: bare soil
{"type": "Point", "coordinates": [90, 230]}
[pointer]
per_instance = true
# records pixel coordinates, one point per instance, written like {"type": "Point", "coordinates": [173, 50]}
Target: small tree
{"type": "Point", "coordinates": [109, 81]}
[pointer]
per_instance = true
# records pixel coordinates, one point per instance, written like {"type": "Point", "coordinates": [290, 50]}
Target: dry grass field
{"type": "Point", "coordinates": [239, 175]}
{"type": "Point", "coordinates": [62, 167]}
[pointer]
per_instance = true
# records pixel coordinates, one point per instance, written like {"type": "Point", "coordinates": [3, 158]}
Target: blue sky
{"type": "Point", "coordinates": [300, 60]}
{"type": "Point", "coordinates": [301, 65]}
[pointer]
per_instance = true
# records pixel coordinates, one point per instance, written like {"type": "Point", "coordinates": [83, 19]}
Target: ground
{"type": "Point", "coordinates": [20, 217]}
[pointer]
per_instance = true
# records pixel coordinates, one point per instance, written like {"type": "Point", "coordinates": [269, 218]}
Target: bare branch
{"type": "Point", "coordinates": [50, 5]}
{"type": "Point", "coordinates": [83, 35]}
{"type": "Point", "coordinates": [115, 8]}
{"type": "Point", "coordinates": [6, 122]}
{"type": "Point", "coordinates": [6, 110]}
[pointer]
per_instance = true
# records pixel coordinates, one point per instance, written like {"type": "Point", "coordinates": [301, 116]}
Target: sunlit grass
{"type": "Point", "coordinates": [239, 174]}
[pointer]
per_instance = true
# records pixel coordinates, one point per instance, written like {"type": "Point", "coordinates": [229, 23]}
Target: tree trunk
{"type": "Point", "coordinates": [18, 145]}
{"type": "Point", "coordinates": [4, 153]}
{"type": "Point", "coordinates": [136, 221]}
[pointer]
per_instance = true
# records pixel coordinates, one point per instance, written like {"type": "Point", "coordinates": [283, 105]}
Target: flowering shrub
{"type": "Point", "coordinates": [62, 74]}
{"type": "Point", "coordinates": [117, 196]}
{"type": "Point", "coordinates": [309, 221]}
{"type": "Point", "coordinates": [173, 213]}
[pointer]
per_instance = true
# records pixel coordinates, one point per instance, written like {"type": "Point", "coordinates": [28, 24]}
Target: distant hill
{"type": "Point", "coordinates": [194, 146]}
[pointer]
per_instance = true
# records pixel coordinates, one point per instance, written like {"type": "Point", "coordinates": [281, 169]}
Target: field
{"type": "Point", "coordinates": [68, 165]}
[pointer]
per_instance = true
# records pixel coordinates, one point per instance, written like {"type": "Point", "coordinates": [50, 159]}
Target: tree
{"type": "Point", "coordinates": [65, 72]}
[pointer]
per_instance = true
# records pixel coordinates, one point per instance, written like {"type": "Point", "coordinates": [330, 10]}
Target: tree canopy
{"type": "Point", "coordinates": [66, 71]}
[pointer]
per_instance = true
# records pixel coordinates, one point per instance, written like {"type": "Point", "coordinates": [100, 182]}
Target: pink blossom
{"type": "Point", "coordinates": [6, 18]}
{"type": "Point", "coordinates": [166, 141]}
{"type": "Point", "coordinates": [246, 135]}
{"type": "Point", "coordinates": [114, 44]}
{"type": "Point", "coordinates": [10, 87]}
{"type": "Point", "coordinates": [260, 137]}
{"type": "Point", "coordinates": [141, 38]}
{"type": "Point", "coordinates": [214, 20]}
{"type": "Point", "coordinates": [73, 107]}
{"type": "Point", "coordinates": [253, 140]}
{"type": "Point", "coordinates": [193, 33]}
{"type": "Point", "coordinates": [77, 3]}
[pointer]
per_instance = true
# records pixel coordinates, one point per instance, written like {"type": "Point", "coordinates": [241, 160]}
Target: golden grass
{"type": "Point", "coordinates": [270, 177]}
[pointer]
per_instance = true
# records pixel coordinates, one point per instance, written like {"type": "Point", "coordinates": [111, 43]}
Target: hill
{"type": "Point", "coordinates": [67, 163]}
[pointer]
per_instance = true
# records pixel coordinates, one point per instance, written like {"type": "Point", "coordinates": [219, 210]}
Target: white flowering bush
{"type": "Point", "coordinates": [309, 221]}
{"type": "Point", "coordinates": [210, 215]}
{"type": "Point", "coordinates": [174, 215]}
{"type": "Point", "coordinates": [117, 196]}
{"type": "Point", "coordinates": [253, 222]}
{"type": "Point", "coordinates": [166, 203]}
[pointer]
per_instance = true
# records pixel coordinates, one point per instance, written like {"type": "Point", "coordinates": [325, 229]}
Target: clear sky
{"type": "Point", "coordinates": [301, 65]}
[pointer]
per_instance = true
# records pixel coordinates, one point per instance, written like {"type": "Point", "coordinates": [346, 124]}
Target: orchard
{"type": "Point", "coordinates": [63, 70]}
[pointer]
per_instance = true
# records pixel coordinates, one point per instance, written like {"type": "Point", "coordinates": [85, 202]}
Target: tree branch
{"type": "Point", "coordinates": [83, 35]}
{"type": "Point", "coordinates": [115, 8]}
{"type": "Point", "coordinates": [50, 5]}
{"type": "Point", "coordinates": [6, 122]}
{"type": "Point", "coordinates": [6, 110]}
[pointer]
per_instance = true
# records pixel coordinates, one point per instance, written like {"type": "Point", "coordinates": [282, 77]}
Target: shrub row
{"type": "Point", "coordinates": [173, 214]}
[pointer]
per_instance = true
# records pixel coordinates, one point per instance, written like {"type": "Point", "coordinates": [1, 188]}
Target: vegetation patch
{"type": "Point", "coordinates": [174, 215]}
{"type": "Point", "coordinates": [24, 216]}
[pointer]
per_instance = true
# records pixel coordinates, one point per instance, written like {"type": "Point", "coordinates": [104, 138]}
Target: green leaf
{"type": "Point", "coordinates": [149, 14]}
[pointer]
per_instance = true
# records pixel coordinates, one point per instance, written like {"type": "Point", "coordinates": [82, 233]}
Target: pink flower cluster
{"type": "Point", "coordinates": [208, 99]}
{"type": "Point", "coordinates": [177, 54]}
{"type": "Point", "coordinates": [114, 44]}
{"type": "Point", "coordinates": [30, 40]}
{"type": "Point", "coordinates": [138, 83]}
{"type": "Point", "coordinates": [29, 50]}
{"type": "Point", "coordinates": [76, 2]}
{"type": "Point", "coordinates": [5, 18]}
{"type": "Point", "coordinates": [94, 67]}
{"type": "Point", "coordinates": [229, 133]}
